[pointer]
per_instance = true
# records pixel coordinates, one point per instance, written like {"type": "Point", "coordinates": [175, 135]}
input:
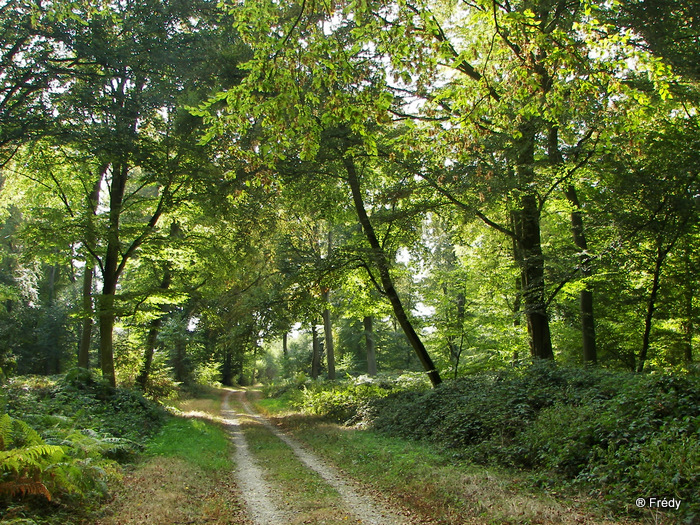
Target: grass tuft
{"type": "Point", "coordinates": [201, 443]}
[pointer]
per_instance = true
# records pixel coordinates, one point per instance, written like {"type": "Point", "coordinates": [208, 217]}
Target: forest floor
{"type": "Point", "coordinates": [277, 480]}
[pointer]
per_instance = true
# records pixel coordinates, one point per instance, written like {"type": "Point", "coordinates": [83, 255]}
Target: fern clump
{"type": "Point", "coordinates": [62, 439]}
{"type": "Point", "coordinates": [24, 459]}
{"type": "Point", "coordinates": [73, 465]}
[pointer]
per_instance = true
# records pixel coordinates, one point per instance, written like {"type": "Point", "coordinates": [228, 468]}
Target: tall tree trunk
{"type": "Point", "coordinates": [371, 348]}
{"type": "Point", "coordinates": [590, 355]}
{"type": "Point", "coordinates": [315, 354]}
{"type": "Point", "coordinates": [89, 272]}
{"type": "Point", "coordinates": [106, 318]}
{"type": "Point", "coordinates": [382, 264]}
{"type": "Point", "coordinates": [532, 272]}
{"type": "Point", "coordinates": [578, 232]}
{"type": "Point", "coordinates": [530, 245]}
{"type": "Point", "coordinates": [651, 307]}
{"type": "Point", "coordinates": [328, 332]}
{"type": "Point", "coordinates": [110, 276]}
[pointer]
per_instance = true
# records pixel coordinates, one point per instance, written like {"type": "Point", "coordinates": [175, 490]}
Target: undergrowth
{"type": "Point", "coordinates": [613, 435]}
{"type": "Point", "coordinates": [62, 440]}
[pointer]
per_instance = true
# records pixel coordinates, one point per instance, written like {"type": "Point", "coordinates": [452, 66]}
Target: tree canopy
{"type": "Point", "coordinates": [438, 186]}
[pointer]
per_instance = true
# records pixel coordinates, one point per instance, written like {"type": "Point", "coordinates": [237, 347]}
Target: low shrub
{"type": "Point", "coordinates": [341, 401]}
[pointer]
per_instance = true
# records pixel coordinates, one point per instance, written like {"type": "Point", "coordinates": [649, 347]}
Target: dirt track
{"type": "Point", "coordinates": [262, 501]}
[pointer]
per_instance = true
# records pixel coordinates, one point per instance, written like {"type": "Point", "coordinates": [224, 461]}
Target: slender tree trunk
{"type": "Point", "coordinates": [586, 298]}
{"type": "Point", "coordinates": [86, 329]}
{"type": "Point", "coordinates": [316, 354]}
{"type": "Point", "coordinates": [688, 331]}
{"type": "Point", "coordinates": [153, 331]}
{"type": "Point", "coordinates": [151, 341]}
{"type": "Point", "coordinates": [328, 332]}
{"type": "Point", "coordinates": [89, 272]}
{"type": "Point", "coordinates": [453, 346]}
{"type": "Point", "coordinates": [53, 277]}
{"type": "Point", "coordinates": [651, 308]}
{"type": "Point", "coordinates": [285, 354]}
{"type": "Point", "coordinates": [515, 223]}
{"type": "Point", "coordinates": [227, 368]}
{"type": "Point", "coordinates": [371, 348]}
{"type": "Point", "coordinates": [254, 373]}
{"type": "Point", "coordinates": [154, 328]}
{"type": "Point", "coordinates": [52, 353]}
{"type": "Point", "coordinates": [380, 260]}
{"type": "Point", "coordinates": [688, 325]}
{"type": "Point", "coordinates": [327, 327]}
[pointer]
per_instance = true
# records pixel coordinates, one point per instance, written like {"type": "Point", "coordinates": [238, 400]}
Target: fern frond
{"type": "Point", "coordinates": [17, 433]}
{"type": "Point", "coordinates": [24, 486]}
{"type": "Point", "coordinates": [28, 459]}
{"type": "Point", "coordinates": [90, 432]}
{"type": "Point", "coordinates": [5, 431]}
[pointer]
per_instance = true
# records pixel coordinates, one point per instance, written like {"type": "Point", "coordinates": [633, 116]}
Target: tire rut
{"type": "Point", "coordinates": [363, 506]}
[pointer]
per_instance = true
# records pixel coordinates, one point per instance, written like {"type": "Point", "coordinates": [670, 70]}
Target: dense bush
{"type": "Point", "coordinates": [342, 402]}
{"type": "Point", "coordinates": [616, 435]}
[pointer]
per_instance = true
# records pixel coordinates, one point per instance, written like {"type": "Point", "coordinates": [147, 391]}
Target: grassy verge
{"type": "Point", "coordinates": [429, 482]}
{"type": "Point", "coordinates": [613, 436]}
{"type": "Point", "coordinates": [186, 475]}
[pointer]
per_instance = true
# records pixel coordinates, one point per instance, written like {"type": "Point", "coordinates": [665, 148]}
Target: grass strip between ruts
{"type": "Point", "coordinates": [304, 492]}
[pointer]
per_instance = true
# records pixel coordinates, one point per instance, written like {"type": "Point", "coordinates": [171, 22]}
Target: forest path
{"type": "Point", "coordinates": [256, 492]}
{"type": "Point", "coordinates": [263, 500]}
